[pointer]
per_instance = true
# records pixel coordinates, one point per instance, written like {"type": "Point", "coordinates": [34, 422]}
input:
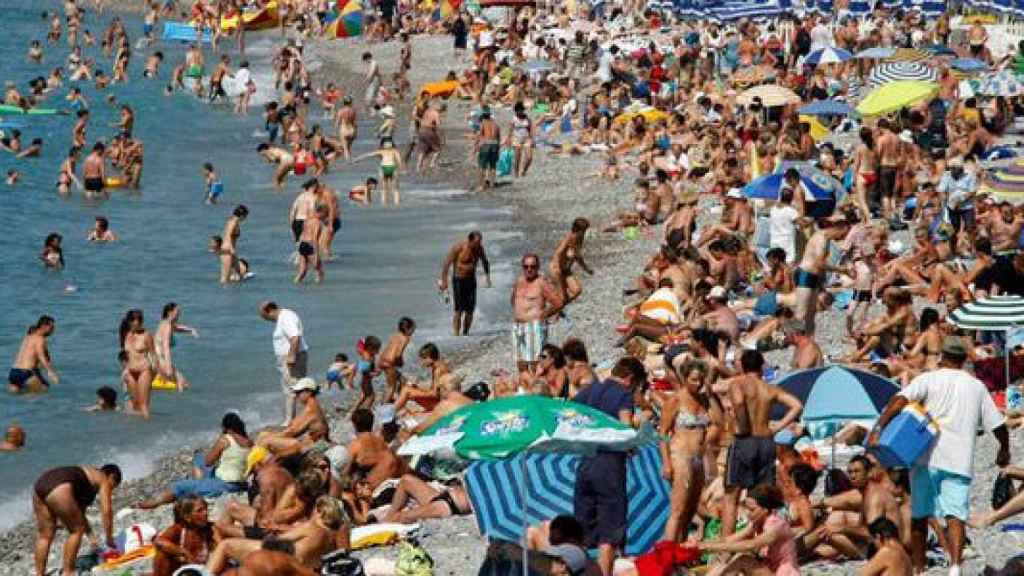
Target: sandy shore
{"type": "Point", "coordinates": [554, 192]}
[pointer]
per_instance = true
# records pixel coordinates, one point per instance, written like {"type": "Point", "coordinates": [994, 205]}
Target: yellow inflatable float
{"type": "Point", "coordinates": [114, 182]}
{"type": "Point", "coordinates": [161, 383]}
{"type": "Point", "coordinates": [443, 89]}
{"type": "Point", "coordinates": [261, 19]}
{"type": "Point", "coordinates": [650, 115]}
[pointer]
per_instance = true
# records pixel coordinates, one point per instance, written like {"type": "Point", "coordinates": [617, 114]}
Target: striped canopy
{"type": "Point", "coordinates": [496, 489]}
{"type": "Point", "coordinates": [994, 313]}
{"type": "Point", "coordinates": [1006, 183]}
{"type": "Point", "coordinates": [830, 55]}
{"type": "Point", "coordinates": [895, 71]}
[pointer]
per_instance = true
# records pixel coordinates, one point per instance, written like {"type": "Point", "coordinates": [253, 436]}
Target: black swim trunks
{"type": "Point", "coordinates": [93, 184]}
{"type": "Point", "coordinates": [18, 377]}
{"type": "Point", "coordinates": [862, 296]}
{"type": "Point", "coordinates": [336, 224]}
{"type": "Point", "coordinates": [306, 249]}
{"type": "Point", "coordinates": [887, 181]}
{"type": "Point", "coordinates": [751, 462]}
{"type": "Point", "coordinates": [297, 226]}
{"type": "Point", "coordinates": [487, 158]}
{"type": "Point", "coordinates": [464, 293]}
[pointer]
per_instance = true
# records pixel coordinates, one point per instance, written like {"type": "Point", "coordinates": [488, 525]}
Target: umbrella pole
{"type": "Point", "coordinates": [1006, 355]}
{"type": "Point", "coordinates": [526, 522]}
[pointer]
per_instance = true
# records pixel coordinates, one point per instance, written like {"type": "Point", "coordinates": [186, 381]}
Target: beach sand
{"type": "Point", "coordinates": [546, 201]}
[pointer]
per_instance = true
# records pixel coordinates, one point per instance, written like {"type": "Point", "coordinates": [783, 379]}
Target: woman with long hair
{"type": "Point", "coordinates": [164, 342]}
{"type": "Point", "coordinates": [685, 420]}
{"type": "Point", "coordinates": [140, 349]}
{"type": "Point", "coordinates": [865, 162]}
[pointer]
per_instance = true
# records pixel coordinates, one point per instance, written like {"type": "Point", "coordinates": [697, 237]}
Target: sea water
{"type": "Point", "coordinates": [387, 263]}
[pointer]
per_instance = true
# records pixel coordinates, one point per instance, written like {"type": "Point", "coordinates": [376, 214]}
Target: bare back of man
{"type": "Point", "coordinates": [372, 457]}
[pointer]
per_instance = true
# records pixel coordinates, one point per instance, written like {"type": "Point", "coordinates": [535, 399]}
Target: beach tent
{"type": "Point", "coordinates": [893, 96]}
{"type": "Point", "coordinates": [770, 95]}
{"type": "Point", "coordinates": [349, 22]}
{"type": "Point", "coordinates": [548, 481]}
{"type": "Point", "coordinates": [895, 71]}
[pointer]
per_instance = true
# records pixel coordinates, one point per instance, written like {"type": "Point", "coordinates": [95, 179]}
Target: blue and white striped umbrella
{"type": "Point", "coordinates": [496, 488]}
{"type": "Point", "coordinates": [830, 55]}
{"type": "Point", "coordinates": [894, 71]}
{"type": "Point", "coordinates": [993, 313]}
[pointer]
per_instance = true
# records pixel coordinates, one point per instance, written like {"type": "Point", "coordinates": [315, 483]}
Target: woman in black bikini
{"type": "Point", "coordinates": [63, 495]}
{"type": "Point", "coordinates": [430, 503]}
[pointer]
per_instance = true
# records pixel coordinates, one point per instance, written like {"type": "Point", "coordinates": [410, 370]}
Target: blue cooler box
{"type": "Point", "coordinates": [907, 438]}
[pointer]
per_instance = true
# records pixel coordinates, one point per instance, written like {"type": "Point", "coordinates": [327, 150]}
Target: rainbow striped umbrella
{"type": "Point", "coordinates": [1005, 183]}
{"type": "Point", "coordinates": [349, 22]}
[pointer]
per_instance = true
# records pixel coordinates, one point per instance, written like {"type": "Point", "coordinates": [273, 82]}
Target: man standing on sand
{"type": "Point", "coordinates": [25, 375]}
{"type": "Point", "coordinates": [487, 148]}
{"type": "Point", "coordinates": [890, 159]}
{"type": "Point", "coordinates": [751, 458]}
{"type": "Point", "coordinates": [534, 301]}
{"type": "Point", "coordinates": [809, 276]}
{"type": "Point", "coordinates": [290, 349]}
{"type": "Point", "coordinates": [464, 256]}
{"type": "Point", "coordinates": [940, 483]}
{"type": "Point", "coordinates": [429, 138]}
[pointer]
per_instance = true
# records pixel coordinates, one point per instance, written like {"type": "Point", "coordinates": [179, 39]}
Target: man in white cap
{"type": "Point", "coordinates": [720, 317]}
{"type": "Point", "coordinates": [737, 220]}
{"type": "Point", "coordinates": [958, 186]}
{"type": "Point", "coordinates": [290, 349]}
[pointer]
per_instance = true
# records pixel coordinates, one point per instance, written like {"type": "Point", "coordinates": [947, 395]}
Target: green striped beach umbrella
{"type": "Point", "coordinates": [996, 313]}
{"type": "Point", "coordinates": [993, 314]}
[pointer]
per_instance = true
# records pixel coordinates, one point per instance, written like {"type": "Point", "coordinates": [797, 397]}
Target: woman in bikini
{"type": "Point", "coordinates": [164, 341]}
{"type": "Point", "coordinates": [685, 419]}
{"type": "Point", "coordinates": [139, 369]}
{"type": "Point", "coordinates": [66, 177]}
{"type": "Point", "coordinates": [924, 355]}
{"type": "Point", "coordinates": [430, 502]}
{"type": "Point", "coordinates": [569, 252]}
{"type": "Point", "coordinates": [390, 165]}
{"type": "Point", "coordinates": [865, 162]}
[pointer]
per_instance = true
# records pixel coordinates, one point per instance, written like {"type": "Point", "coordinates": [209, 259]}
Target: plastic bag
{"type": "Point", "coordinates": [413, 561]}
{"type": "Point", "coordinates": [1002, 491]}
{"type": "Point", "coordinates": [505, 159]}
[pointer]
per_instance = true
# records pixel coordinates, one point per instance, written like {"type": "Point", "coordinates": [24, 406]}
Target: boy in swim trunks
{"type": "Point", "coordinates": [214, 187]}
{"type": "Point", "coordinates": [313, 230]}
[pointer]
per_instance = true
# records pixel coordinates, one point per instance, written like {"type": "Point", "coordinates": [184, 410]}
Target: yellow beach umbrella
{"type": "Point", "coordinates": [895, 95]}
{"type": "Point", "coordinates": [649, 114]}
{"type": "Point", "coordinates": [770, 94]}
{"type": "Point", "coordinates": [818, 130]}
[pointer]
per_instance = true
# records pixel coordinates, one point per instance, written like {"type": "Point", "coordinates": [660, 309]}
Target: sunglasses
{"type": "Point", "coordinates": [531, 266]}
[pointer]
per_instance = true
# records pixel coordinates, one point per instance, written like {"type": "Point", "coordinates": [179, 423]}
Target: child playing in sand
{"type": "Point", "coordinates": [340, 369]}
{"type": "Point", "coordinates": [214, 187]}
{"type": "Point", "coordinates": [367, 348]}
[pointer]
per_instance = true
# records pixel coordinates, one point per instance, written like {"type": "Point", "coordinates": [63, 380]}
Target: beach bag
{"type": "Point", "coordinates": [339, 563]}
{"type": "Point", "coordinates": [1002, 491]}
{"type": "Point", "coordinates": [413, 561]}
{"type": "Point", "coordinates": [505, 159]}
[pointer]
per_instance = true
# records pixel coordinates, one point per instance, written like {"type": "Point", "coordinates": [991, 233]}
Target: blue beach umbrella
{"type": "Point", "coordinates": [837, 393]}
{"type": "Point", "coordinates": [968, 65]}
{"type": "Point", "coordinates": [876, 53]}
{"type": "Point", "coordinates": [830, 55]}
{"type": "Point", "coordinates": [819, 184]}
{"type": "Point", "coordinates": [940, 50]}
{"type": "Point", "coordinates": [827, 108]}
{"type": "Point", "coordinates": [496, 488]}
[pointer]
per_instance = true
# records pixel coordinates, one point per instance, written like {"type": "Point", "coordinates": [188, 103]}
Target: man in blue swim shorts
{"type": "Point", "coordinates": [809, 275]}
{"type": "Point", "coordinates": [25, 376]}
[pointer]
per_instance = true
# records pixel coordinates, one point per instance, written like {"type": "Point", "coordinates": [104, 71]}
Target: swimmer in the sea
{"type": "Point", "coordinates": [345, 119]}
{"type": "Point", "coordinates": [33, 150]}
{"type": "Point", "coordinates": [214, 187]}
{"type": "Point", "coordinates": [35, 52]}
{"type": "Point", "coordinates": [106, 399]}
{"type": "Point", "coordinates": [283, 158]}
{"type": "Point", "coordinates": [26, 376]}
{"type": "Point", "coordinates": [153, 65]}
{"type": "Point", "coordinates": [78, 132]}
{"type": "Point", "coordinates": [66, 177]}
{"type": "Point", "coordinates": [363, 194]}
{"type": "Point", "coordinates": [310, 241]}
{"type": "Point", "coordinates": [229, 267]}
{"type": "Point", "coordinates": [101, 232]}
{"type": "Point", "coordinates": [52, 254]}
{"type": "Point", "coordinates": [390, 165]}
{"type": "Point", "coordinates": [14, 439]}
{"type": "Point", "coordinates": [12, 177]}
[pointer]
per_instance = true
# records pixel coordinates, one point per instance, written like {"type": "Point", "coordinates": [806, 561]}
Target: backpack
{"type": "Point", "coordinates": [339, 563]}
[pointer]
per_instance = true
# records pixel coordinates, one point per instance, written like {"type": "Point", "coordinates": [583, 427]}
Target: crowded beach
{"type": "Point", "coordinates": [766, 318]}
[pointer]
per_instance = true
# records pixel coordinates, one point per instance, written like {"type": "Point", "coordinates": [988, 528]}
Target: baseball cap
{"type": "Point", "coordinates": [953, 346]}
{"type": "Point", "coordinates": [907, 136]}
{"type": "Point", "coordinates": [574, 558]}
{"type": "Point", "coordinates": [306, 383]}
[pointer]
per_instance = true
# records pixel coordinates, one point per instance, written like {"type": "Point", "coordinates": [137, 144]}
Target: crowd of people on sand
{"type": "Point", "coordinates": [661, 113]}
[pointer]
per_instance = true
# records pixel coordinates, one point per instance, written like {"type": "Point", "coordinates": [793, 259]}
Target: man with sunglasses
{"type": "Point", "coordinates": [534, 301]}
